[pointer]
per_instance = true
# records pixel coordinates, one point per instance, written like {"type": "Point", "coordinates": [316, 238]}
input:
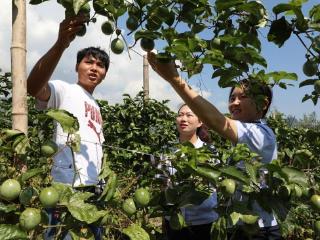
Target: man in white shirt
{"type": "Point", "coordinates": [81, 168]}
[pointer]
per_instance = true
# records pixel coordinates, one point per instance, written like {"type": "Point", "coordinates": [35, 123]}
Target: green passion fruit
{"type": "Point", "coordinates": [228, 186]}
{"type": "Point", "coordinates": [117, 46]}
{"type": "Point", "coordinates": [132, 23]}
{"type": "Point", "coordinates": [129, 207]}
{"type": "Point", "coordinates": [82, 31]}
{"type": "Point", "coordinates": [142, 196]}
{"type": "Point", "coordinates": [49, 197]}
{"type": "Point", "coordinates": [10, 189]}
{"type": "Point", "coordinates": [310, 68]}
{"type": "Point", "coordinates": [30, 218]}
{"type": "Point", "coordinates": [147, 44]}
{"type": "Point", "coordinates": [317, 86]}
{"type": "Point", "coordinates": [315, 201]}
{"type": "Point", "coordinates": [49, 148]}
{"type": "Point", "coordinates": [107, 28]}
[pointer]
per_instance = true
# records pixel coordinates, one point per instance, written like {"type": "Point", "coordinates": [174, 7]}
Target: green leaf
{"type": "Point", "coordinates": [110, 187]}
{"type": "Point", "coordinates": [99, 8]}
{"type": "Point", "coordinates": [280, 31]}
{"type": "Point", "coordinates": [65, 192]}
{"type": "Point", "coordinates": [207, 173]}
{"type": "Point", "coordinates": [8, 207]}
{"type": "Point", "coordinates": [146, 34]}
{"type": "Point", "coordinates": [235, 173]}
{"type": "Point", "coordinates": [68, 122]}
{"type": "Point", "coordinates": [235, 217]}
{"type": "Point", "coordinates": [192, 197]}
{"type": "Point", "coordinates": [12, 232]}
{"type": "Point", "coordinates": [224, 5]}
{"type": "Point", "coordinates": [279, 75]}
{"type": "Point", "coordinates": [315, 26]}
{"type": "Point", "coordinates": [306, 97]}
{"type": "Point", "coordinates": [85, 212]}
{"type": "Point", "coordinates": [282, 7]}
{"type": "Point", "coordinates": [251, 171]}
{"type": "Point", "coordinates": [30, 173]}
{"type": "Point", "coordinates": [105, 169]}
{"type": "Point", "coordinates": [77, 235]}
{"type": "Point", "coordinates": [20, 144]}
{"type": "Point", "coordinates": [75, 142]}
{"type": "Point", "coordinates": [219, 229]}
{"type": "Point", "coordinates": [307, 82]}
{"type": "Point", "coordinates": [77, 4]}
{"type": "Point", "coordinates": [314, 13]}
{"type": "Point", "coordinates": [135, 232]}
{"type": "Point", "coordinates": [213, 57]}
{"type": "Point", "coordinates": [295, 176]}
{"type": "Point", "coordinates": [80, 196]}
{"type": "Point", "coordinates": [10, 134]}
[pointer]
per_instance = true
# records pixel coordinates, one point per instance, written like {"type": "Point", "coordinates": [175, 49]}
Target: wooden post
{"type": "Point", "coordinates": [18, 67]}
{"type": "Point", "coordinates": [145, 77]}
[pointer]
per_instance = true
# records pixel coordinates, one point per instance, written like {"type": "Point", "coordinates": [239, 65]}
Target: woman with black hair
{"type": "Point", "coordinates": [198, 218]}
{"type": "Point", "coordinates": [249, 102]}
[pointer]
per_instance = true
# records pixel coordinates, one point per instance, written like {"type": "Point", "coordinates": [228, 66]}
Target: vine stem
{"type": "Point", "coordinates": [300, 39]}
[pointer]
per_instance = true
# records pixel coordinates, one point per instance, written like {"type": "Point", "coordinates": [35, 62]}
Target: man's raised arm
{"type": "Point", "coordinates": [37, 82]}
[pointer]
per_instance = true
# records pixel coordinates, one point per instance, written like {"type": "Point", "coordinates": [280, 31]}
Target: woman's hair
{"type": "Point", "coordinates": [257, 91]}
{"type": "Point", "coordinates": [202, 131]}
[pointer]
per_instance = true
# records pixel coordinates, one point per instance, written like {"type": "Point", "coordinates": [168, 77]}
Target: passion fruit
{"type": "Point", "coordinates": [315, 201]}
{"type": "Point", "coordinates": [107, 28]}
{"type": "Point", "coordinates": [132, 23]}
{"type": "Point", "coordinates": [49, 148]}
{"type": "Point", "coordinates": [82, 31]}
{"type": "Point", "coordinates": [228, 186]}
{"type": "Point", "coordinates": [310, 68]}
{"type": "Point", "coordinates": [317, 86]}
{"type": "Point", "coordinates": [129, 207]}
{"type": "Point", "coordinates": [147, 44]}
{"type": "Point", "coordinates": [30, 218]}
{"type": "Point", "coordinates": [117, 46]}
{"type": "Point", "coordinates": [49, 197]}
{"type": "Point", "coordinates": [10, 189]}
{"type": "Point", "coordinates": [142, 197]}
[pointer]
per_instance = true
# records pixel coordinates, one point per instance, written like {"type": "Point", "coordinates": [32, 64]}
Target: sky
{"type": "Point", "coordinates": [125, 75]}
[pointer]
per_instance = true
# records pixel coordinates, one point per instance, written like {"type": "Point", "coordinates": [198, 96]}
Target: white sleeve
{"type": "Point", "coordinates": [57, 89]}
{"type": "Point", "coordinates": [259, 138]}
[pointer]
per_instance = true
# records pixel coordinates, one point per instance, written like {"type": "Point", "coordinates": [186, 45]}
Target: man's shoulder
{"type": "Point", "coordinates": [58, 82]}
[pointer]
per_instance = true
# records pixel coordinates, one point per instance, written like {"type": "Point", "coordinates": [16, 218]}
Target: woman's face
{"type": "Point", "coordinates": [187, 122]}
{"type": "Point", "coordinates": [242, 107]}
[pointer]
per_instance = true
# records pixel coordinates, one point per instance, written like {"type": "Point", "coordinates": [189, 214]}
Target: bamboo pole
{"type": "Point", "coordinates": [145, 77]}
{"type": "Point", "coordinates": [18, 67]}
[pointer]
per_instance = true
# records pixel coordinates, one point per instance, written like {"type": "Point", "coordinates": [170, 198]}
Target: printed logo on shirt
{"type": "Point", "coordinates": [94, 116]}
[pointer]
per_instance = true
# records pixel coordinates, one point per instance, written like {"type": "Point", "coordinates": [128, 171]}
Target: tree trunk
{"type": "Point", "coordinates": [18, 67]}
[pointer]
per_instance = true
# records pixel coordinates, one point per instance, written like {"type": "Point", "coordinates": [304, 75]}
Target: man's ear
{"type": "Point", "coordinates": [77, 66]}
{"type": "Point", "coordinates": [266, 103]}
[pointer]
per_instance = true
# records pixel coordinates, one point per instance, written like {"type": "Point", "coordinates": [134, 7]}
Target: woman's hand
{"type": "Point", "coordinates": [168, 71]}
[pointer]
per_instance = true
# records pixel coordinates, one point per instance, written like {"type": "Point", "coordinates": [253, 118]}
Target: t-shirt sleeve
{"type": "Point", "coordinates": [259, 138]}
{"type": "Point", "coordinates": [56, 92]}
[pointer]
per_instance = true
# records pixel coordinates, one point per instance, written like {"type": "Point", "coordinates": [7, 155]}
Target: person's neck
{"type": "Point", "coordinates": [193, 139]}
{"type": "Point", "coordinates": [90, 91]}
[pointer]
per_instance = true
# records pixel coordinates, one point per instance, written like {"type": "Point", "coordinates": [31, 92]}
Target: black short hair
{"type": "Point", "coordinates": [256, 90]}
{"type": "Point", "coordinates": [96, 52]}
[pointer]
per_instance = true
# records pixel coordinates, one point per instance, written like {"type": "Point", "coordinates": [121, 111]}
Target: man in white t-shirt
{"type": "Point", "coordinates": [91, 67]}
